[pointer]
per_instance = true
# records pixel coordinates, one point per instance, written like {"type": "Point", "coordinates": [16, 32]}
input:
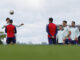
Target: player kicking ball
{"type": "Point", "coordinates": [11, 31]}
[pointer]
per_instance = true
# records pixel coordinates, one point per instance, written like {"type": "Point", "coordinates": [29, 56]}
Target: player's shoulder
{"type": "Point", "coordinates": [67, 27]}
{"type": "Point", "coordinates": [7, 25]}
{"type": "Point", "coordinates": [53, 24]}
{"type": "Point", "coordinates": [73, 27]}
{"type": "Point", "coordinates": [60, 32]}
{"type": "Point", "coordinates": [76, 28]}
{"type": "Point", "coordinates": [13, 25]}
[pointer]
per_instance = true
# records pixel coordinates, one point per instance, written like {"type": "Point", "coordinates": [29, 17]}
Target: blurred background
{"type": "Point", "coordinates": [34, 14]}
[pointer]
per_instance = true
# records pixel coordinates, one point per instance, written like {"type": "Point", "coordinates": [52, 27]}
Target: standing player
{"type": "Point", "coordinates": [60, 35]}
{"type": "Point", "coordinates": [51, 30]}
{"type": "Point", "coordinates": [74, 33]}
{"type": "Point", "coordinates": [66, 32]}
{"type": "Point", "coordinates": [11, 31]}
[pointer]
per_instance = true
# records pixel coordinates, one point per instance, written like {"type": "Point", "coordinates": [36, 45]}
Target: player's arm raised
{"type": "Point", "coordinates": [19, 25]}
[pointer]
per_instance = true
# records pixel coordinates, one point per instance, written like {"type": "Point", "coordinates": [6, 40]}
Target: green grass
{"type": "Point", "coordinates": [29, 52]}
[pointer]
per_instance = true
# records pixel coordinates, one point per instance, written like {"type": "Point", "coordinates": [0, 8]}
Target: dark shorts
{"type": "Point", "coordinates": [79, 40]}
{"type": "Point", "coordinates": [52, 41]}
{"type": "Point", "coordinates": [70, 41]}
{"type": "Point", "coordinates": [74, 41]}
{"type": "Point", "coordinates": [67, 41]}
{"type": "Point", "coordinates": [60, 43]}
{"type": "Point", "coordinates": [11, 40]}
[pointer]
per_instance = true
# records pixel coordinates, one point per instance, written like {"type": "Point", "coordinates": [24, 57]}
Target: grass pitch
{"type": "Point", "coordinates": [39, 52]}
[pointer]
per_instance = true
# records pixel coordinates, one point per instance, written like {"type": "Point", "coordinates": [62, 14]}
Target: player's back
{"type": "Point", "coordinates": [52, 28]}
{"type": "Point", "coordinates": [10, 29]}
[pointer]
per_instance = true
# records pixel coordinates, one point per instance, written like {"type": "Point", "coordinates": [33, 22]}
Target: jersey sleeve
{"type": "Point", "coordinates": [47, 30]}
{"type": "Point", "coordinates": [57, 36]}
{"type": "Point", "coordinates": [17, 26]}
{"type": "Point", "coordinates": [63, 35]}
{"type": "Point", "coordinates": [68, 28]}
{"type": "Point", "coordinates": [78, 33]}
{"type": "Point", "coordinates": [4, 26]}
{"type": "Point", "coordinates": [56, 31]}
{"type": "Point", "coordinates": [15, 30]}
{"type": "Point", "coordinates": [69, 31]}
{"type": "Point", "coordinates": [5, 29]}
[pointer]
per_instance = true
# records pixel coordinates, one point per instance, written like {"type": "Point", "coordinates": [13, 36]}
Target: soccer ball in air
{"type": "Point", "coordinates": [11, 12]}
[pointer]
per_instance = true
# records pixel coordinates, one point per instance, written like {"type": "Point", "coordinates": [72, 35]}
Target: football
{"type": "Point", "coordinates": [11, 12]}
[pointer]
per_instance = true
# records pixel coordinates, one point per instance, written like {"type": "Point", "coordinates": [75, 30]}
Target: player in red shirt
{"type": "Point", "coordinates": [11, 31]}
{"type": "Point", "coordinates": [52, 31]}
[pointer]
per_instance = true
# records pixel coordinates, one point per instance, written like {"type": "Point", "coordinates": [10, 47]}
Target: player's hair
{"type": "Point", "coordinates": [61, 25]}
{"type": "Point", "coordinates": [65, 21]}
{"type": "Point", "coordinates": [11, 21]}
{"type": "Point", "coordinates": [73, 22]}
{"type": "Point", "coordinates": [51, 19]}
{"type": "Point", "coordinates": [7, 18]}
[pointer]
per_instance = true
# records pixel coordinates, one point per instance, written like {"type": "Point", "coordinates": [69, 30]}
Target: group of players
{"type": "Point", "coordinates": [11, 31]}
{"type": "Point", "coordinates": [63, 34]}
{"type": "Point", "coordinates": [56, 35]}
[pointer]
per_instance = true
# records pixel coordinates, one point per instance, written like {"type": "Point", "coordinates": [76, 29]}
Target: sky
{"type": "Point", "coordinates": [35, 13]}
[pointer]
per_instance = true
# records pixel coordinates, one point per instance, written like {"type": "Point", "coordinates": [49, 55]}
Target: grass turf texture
{"type": "Point", "coordinates": [40, 52]}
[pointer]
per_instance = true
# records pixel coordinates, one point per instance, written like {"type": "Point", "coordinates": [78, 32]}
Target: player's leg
{"type": "Point", "coordinates": [50, 41]}
{"type": "Point", "coordinates": [54, 41]}
{"type": "Point", "coordinates": [8, 40]}
{"type": "Point", "coordinates": [66, 41]}
{"type": "Point", "coordinates": [79, 40]}
{"type": "Point", "coordinates": [14, 40]}
{"type": "Point", "coordinates": [70, 41]}
{"type": "Point", "coordinates": [74, 42]}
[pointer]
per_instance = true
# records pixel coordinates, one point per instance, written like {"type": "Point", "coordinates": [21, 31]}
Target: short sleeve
{"type": "Point", "coordinates": [68, 28]}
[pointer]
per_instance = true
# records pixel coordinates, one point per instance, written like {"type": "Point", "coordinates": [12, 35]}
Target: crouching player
{"type": "Point", "coordinates": [11, 31]}
{"type": "Point", "coordinates": [60, 35]}
{"type": "Point", "coordinates": [74, 33]}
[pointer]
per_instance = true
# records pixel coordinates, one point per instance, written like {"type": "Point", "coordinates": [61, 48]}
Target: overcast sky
{"type": "Point", "coordinates": [35, 13]}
